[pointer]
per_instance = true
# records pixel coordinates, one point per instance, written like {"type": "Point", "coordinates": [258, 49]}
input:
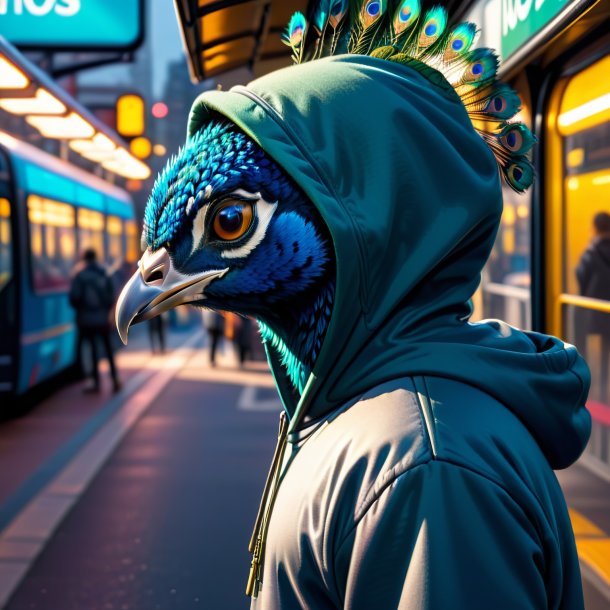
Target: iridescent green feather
{"type": "Point", "coordinates": [460, 41]}
{"type": "Point", "coordinates": [497, 101]}
{"type": "Point", "coordinates": [445, 57]}
{"type": "Point", "coordinates": [294, 36]}
{"type": "Point", "coordinates": [519, 174]}
{"type": "Point", "coordinates": [370, 19]}
{"type": "Point", "coordinates": [431, 31]}
{"type": "Point", "coordinates": [404, 24]}
{"type": "Point", "coordinates": [320, 16]}
{"type": "Point", "coordinates": [338, 10]}
{"type": "Point", "coordinates": [406, 15]}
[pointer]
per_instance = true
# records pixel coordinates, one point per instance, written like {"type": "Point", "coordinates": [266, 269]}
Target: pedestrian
{"type": "Point", "coordinates": [156, 333]}
{"type": "Point", "coordinates": [242, 338]}
{"type": "Point", "coordinates": [593, 275]}
{"type": "Point", "coordinates": [215, 325]}
{"type": "Point", "coordinates": [92, 296]}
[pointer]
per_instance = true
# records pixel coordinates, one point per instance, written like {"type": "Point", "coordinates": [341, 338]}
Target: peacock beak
{"type": "Point", "coordinates": [157, 287]}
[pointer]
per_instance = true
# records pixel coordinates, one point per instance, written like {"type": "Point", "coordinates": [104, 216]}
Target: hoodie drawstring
{"type": "Point", "coordinates": [261, 525]}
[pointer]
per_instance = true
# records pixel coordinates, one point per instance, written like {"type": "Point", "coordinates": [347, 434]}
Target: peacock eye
{"type": "Point", "coordinates": [233, 219]}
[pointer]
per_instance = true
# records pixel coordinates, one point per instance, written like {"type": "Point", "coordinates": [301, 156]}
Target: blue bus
{"type": "Point", "coordinates": [50, 211]}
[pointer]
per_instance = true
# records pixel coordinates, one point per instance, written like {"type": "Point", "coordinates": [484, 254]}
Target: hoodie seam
{"type": "Point", "coordinates": [372, 501]}
{"type": "Point", "coordinates": [424, 402]}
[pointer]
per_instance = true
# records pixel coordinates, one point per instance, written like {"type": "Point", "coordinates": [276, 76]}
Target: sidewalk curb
{"type": "Point", "coordinates": [30, 517]}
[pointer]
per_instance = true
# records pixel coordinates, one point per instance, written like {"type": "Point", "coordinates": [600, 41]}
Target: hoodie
{"type": "Point", "coordinates": [418, 471]}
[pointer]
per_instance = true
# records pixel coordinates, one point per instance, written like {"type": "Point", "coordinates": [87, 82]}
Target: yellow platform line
{"type": "Point", "coordinates": [583, 526]}
{"type": "Point", "coordinates": [592, 544]}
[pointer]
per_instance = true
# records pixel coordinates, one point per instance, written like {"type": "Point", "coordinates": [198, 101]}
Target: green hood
{"type": "Point", "coordinates": [412, 198]}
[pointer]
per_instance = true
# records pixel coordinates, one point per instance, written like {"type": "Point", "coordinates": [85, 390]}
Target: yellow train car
{"type": "Point", "coordinates": [549, 270]}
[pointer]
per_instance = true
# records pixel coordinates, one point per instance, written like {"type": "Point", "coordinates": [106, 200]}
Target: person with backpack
{"type": "Point", "coordinates": [92, 296]}
{"type": "Point", "coordinates": [593, 275]}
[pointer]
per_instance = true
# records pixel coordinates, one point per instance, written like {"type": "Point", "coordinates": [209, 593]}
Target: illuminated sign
{"type": "Point", "coordinates": [72, 24]}
{"type": "Point", "coordinates": [521, 19]}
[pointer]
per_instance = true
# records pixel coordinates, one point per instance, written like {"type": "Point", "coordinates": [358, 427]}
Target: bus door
{"type": "Point", "coordinates": [8, 284]}
{"type": "Point", "coordinates": [578, 233]}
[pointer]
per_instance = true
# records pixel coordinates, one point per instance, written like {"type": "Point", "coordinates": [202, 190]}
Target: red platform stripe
{"type": "Point", "coordinates": [600, 412]}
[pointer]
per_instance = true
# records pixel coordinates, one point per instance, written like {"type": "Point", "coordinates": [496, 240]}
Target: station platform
{"type": "Point", "coordinates": [144, 500]}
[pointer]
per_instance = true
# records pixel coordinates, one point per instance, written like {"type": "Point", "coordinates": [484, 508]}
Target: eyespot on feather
{"type": "Point", "coordinates": [482, 67]}
{"type": "Point", "coordinates": [433, 27]}
{"type": "Point", "coordinates": [519, 174]}
{"type": "Point", "coordinates": [372, 10]}
{"type": "Point", "coordinates": [460, 41]}
{"type": "Point", "coordinates": [406, 15]}
{"type": "Point", "coordinates": [504, 102]}
{"type": "Point", "coordinates": [338, 9]}
{"type": "Point", "coordinates": [516, 138]}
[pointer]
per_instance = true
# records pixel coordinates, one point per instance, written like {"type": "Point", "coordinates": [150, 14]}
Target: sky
{"type": "Point", "coordinates": [165, 43]}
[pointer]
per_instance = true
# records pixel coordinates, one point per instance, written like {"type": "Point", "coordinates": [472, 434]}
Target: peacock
{"type": "Point", "coordinates": [224, 206]}
{"type": "Point", "coordinates": [234, 221]}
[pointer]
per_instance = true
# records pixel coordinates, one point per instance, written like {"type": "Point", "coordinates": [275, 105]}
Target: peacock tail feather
{"type": "Point", "coordinates": [295, 36]}
{"type": "Point", "coordinates": [398, 30]}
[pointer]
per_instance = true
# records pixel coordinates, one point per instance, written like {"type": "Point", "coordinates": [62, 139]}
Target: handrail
{"type": "Point", "coordinates": [505, 290]}
{"type": "Point", "coordinates": [584, 302]}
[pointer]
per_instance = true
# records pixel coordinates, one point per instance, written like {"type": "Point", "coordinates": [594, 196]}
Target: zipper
{"type": "Point", "coordinates": [261, 525]}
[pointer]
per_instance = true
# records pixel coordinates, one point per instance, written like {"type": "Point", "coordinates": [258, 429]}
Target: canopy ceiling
{"type": "Point", "coordinates": [222, 35]}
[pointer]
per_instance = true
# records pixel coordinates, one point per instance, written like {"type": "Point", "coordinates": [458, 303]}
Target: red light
{"type": "Point", "coordinates": [159, 110]}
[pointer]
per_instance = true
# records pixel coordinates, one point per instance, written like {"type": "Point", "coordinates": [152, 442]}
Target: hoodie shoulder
{"type": "Point", "coordinates": [474, 430]}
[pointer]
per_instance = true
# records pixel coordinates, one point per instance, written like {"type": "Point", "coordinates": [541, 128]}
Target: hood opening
{"type": "Point", "coordinates": [411, 196]}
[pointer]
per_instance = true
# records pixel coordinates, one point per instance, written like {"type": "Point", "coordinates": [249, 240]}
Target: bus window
{"type": "Point", "coordinates": [52, 242]}
{"type": "Point", "coordinates": [6, 246]}
{"type": "Point", "coordinates": [91, 231]}
{"type": "Point", "coordinates": [133, 243]}
{"type": "Point", "coordinates": [114, 230]}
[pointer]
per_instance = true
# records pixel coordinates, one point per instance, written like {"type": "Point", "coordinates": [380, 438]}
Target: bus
{"type": "Point", "coordinates": [50, 211]}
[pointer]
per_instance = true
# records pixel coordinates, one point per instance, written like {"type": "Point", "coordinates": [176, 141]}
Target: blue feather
{"type": "Point", "coordinates": [338, 10]}
{"type": "Point", "coordinates": [320, 16]}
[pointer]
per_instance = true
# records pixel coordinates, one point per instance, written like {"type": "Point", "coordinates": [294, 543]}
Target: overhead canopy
{"type": "Point", "coordinates": [222, 35]}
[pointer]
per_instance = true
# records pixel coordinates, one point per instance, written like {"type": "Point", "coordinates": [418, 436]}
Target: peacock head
{"type": "Point", "coordinates": [225, 228]}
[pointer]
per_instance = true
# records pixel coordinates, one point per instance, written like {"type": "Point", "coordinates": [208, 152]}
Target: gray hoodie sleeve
{"type": "Point", "coordinates": [441, 536]}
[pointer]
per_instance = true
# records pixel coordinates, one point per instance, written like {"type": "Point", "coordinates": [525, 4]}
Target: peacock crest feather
{"type": "Point", "coordinates": [399, 31]}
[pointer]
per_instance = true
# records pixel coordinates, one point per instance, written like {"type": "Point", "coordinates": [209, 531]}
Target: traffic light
{"type": "Point", "coordinates": [130, 115]}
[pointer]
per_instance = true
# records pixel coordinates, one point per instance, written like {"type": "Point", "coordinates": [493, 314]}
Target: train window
{"type": "Point", "coordinates": [52, 242]}
{"type": "Point", "coordinates": [114, 230]}
{"type": "Point", "coordinates": [132, 250]}
{"type": "Point", "coordinates": [578, 218]}
{"type": "Point", "coordinates": [91, 231]}
{"type": "Point", "coordinates": [6, 247]}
